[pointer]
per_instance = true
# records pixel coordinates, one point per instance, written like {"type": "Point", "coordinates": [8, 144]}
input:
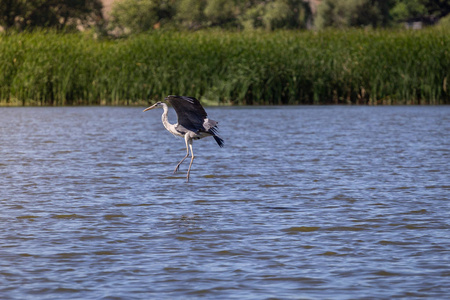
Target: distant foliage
{"type": "Point", "coordinates": [444, 23]}
{"type": "Point", "coordinates": [218, 12]}
{"type": "Point", "coordinates": [136, 16]}
{"type": "Point", "coordinates": [58, 14]}
{"type": "Point", "coordinates": [429, 11]}
{"type": "Point", "coordinates": [403, 10]}
{"type": "Point", "coordinates": [379, 13]}
{"type": "Point", "coordinates": [200, 14]}
{"type": "Point", "coordinates": [273, 14]}
{"type": "Point", "coordinates": [190, 13]}
{"type": "Point", "coordinates": [351, 13]}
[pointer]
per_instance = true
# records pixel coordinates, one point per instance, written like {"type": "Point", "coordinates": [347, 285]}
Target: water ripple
{"type": "Point", "coordinates": [336, 203]}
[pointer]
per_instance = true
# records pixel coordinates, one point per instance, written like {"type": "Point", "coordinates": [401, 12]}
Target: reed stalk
{"type": "Point", "coordinates": [258, 68]}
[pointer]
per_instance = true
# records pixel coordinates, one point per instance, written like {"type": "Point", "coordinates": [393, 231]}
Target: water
{"type": "Point", "coordinates": [303, 203]}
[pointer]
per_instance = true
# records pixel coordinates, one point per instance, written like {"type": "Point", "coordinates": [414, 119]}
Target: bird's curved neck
{"type": "Point", "coordinates": [165, 120]}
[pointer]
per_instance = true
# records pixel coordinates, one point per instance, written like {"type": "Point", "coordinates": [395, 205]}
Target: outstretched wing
{"type": "Point", "coordinates": [191, 114]}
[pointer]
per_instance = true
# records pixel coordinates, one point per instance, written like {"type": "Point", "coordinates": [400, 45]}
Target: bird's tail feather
{"type": "Point", "coordinates": [219, 141]}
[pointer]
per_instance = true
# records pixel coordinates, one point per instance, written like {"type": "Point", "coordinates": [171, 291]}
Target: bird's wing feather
{"type": "Point", "coordinates": [191, 114]}
{"type": "Point", "coordinates": [210, 126]}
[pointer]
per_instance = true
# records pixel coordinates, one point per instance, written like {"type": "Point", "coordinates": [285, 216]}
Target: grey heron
{"type": "Point", "coordinates": [192, 123]}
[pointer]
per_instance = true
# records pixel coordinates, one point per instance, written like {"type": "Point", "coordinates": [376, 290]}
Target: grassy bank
{"type": "Point", "coordinates": [331, 67]}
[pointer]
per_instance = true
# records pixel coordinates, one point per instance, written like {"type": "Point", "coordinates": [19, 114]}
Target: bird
{"type": "Point", "coordinates": [192, 123]}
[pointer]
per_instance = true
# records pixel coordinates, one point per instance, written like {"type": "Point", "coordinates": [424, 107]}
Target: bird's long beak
{"type": "Point", "coordinates": [151, 107]}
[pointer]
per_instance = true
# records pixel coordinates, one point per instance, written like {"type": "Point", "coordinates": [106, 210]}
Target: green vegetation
{"type": "Point", "coordinates": [140, 56]}
{"type": "Point", "coordinates": [56, 14]}
{"type": "Point", "coordinates": [283, 67]}
{"type": "Point", "coordinates": [379, 13]}
{"type": "Point", "coordinates": [137, 16]}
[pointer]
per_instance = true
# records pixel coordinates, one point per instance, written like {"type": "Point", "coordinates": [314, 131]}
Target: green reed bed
{"type": "Point", "coordinates": [286, 67]}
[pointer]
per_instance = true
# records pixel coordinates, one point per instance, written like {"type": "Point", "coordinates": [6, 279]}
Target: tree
{"type": "Point", "coordinates": [437, 9]}
{"type": "Point", "coordinates": [376, 13]}
{"type": "Point", "coordinates": [407, 9]}
{"type": "Point", "coordinates": [276, 14]}
{"type": "Point", "coordinates": [136, 16]}
{"type": "Point", "coordinates": [9, 11]}
{"type": "Point", "coordinates": [220, 12]}
{"type": "Point", "coordinates": [429, 11]}
{"type": "Point", "coordinates": [353, 13]}
{"type": "Point", "coordinates": [59, 14]}
{"type": "Point", "coordinates": [190, 13]}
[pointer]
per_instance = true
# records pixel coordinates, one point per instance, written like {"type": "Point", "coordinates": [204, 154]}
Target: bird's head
{"type": "Point", "coordinates": [157, 104]}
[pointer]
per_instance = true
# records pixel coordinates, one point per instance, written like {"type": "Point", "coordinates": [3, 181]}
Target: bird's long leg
{"type": "Point", "coordinates": [187, 154]}
{"type": "Point", "coordinates": [192, 160]}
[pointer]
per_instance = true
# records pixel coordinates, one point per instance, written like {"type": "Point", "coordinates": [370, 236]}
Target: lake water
{"type": "Point", "coordinates": [309, 202]}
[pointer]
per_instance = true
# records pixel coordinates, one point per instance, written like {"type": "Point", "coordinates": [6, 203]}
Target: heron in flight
{"type": "Point", "coordinates": [192, 124]}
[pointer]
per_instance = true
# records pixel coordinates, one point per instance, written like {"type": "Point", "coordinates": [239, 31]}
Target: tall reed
{"type": "Point", "coordinates": [285, 67]}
